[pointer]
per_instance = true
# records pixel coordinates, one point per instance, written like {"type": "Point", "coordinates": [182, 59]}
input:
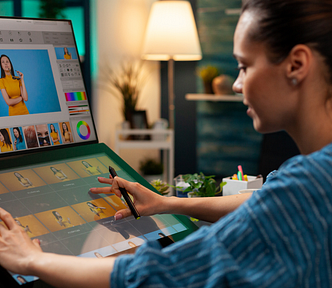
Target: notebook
{"type": "Point", "coordinates": [50, 155]}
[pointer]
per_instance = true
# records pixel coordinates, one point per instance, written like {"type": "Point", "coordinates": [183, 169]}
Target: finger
{"type": "Point", "coordinates": [122, 214]}
{"type": "Point", "coordinates": [105, 180]}
{"type": "Point", "coordinates": [36, 242]}
{"type": "Point", "coordinates": [7, 219]}
{"type": "Point", "coordinates": [101, 190]}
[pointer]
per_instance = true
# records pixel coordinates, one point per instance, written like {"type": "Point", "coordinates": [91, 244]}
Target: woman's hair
{"type": "Point", "coordinates": [6, 137]}
{"type": "Point", "coordinates": [86, 164]}
{"type": "Point", "coordinates": [283, 24]}
{"type": "Point", "coordinates": [55, 214]}
{"type": "Point", "coordinates": [63, 130]}
{"type": "Point", "coordinates": [53, 128]}
{"type": "Point", "coordinates": [18, 175]}
{"type": "Point", "coordinates": [20, 139]}
{"type": "Point", "coordinates": [90, 203]}
{"type": "Point", "coordinates": [30, 136]}
{"type": "Point", "coordinates": [3, 74]}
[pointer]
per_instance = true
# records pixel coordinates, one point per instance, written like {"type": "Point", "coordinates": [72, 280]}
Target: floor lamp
{"type": "Point", "coordinates": [171, 35]}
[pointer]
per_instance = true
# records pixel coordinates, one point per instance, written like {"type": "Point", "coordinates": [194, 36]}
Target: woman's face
{"type": "Point", "coordinates": [65, 50]}
{"type": "Point", "coordinates": [16, 133]}
{"type": "Point", "coordinates": [264, 84]}
{"type": "Point", "coordinates": [64, 126]}
{"type": "Point", "coordinates": [5, 64]}
{"type": "Point", "coordinates": [52, 127]}
{"type": "Point", "coordinates": [1, 137]}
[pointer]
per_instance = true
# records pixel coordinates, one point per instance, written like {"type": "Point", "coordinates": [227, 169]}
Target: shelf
{"type": "Point", "coordinates": [213, 97]}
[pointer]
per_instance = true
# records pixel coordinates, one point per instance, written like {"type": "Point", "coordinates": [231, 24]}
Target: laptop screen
{"type": "Point", "coordinates": [43, 100]}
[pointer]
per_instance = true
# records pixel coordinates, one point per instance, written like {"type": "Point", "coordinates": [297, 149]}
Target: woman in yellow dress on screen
{"type": "Point", "coordinates": [6, 144]}
{"type": "Point", "coordinates": [59, 174]}
{"type": "Point", "coordinates": [67, 136]}
{"type": "Point", "coordinates": [98, 211]}
{"type": "Point", "coordinates": [25, 228]}
{"type": "Point", "coordinates": [13, 88]}
{"type": "Point", "coordinates": [66, 53]}
{"type": "Point", "coordinates": [61, 221]}
{"type": "Point", "coordinates": [91, 170]}
{"type": "Point", "coordinates": [23, 181]}
{"type": "Point", "coordinates": [54, 135]}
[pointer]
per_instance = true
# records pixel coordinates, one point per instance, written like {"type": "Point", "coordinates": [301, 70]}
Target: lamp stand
{"type": "Point", "coordinates": [171, 95]}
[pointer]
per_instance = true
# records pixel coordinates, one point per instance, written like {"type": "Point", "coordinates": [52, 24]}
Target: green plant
{"type": "Point", "coordinates": [160, 186]}
{"type": "Point", "coordinates": [126, 84]}
{"type": "Point", "coordinates": [201, 185]}
{"type": "Point", "coordinates": [151, 166]}
{"type": "Point", "coordinates": [52, 8]}
{"type": "Point", "coordinates": [208, 73]}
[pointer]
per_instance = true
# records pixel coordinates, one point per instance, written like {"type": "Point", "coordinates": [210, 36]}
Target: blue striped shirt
{"type": "Point", "coordinates": [280, 237]}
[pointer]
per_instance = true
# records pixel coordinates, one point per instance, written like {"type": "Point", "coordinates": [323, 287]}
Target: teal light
{"type": "Point", "coordinates": [6, 8]}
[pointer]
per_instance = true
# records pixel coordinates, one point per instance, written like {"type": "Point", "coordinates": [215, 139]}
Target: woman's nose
{"type": "Point", "coordinates": [237, 85]}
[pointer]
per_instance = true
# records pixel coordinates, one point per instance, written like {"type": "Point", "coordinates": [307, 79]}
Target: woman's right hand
{"type": "Point", "coordinates": [146, 201]}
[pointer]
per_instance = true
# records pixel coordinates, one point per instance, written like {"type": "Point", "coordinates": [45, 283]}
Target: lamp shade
{"type": "Point", "coordinates": [171, 33]}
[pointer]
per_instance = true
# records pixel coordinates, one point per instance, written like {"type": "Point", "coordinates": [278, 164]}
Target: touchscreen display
{"type": "Point", "coordinates": [43, 101]}
{"type": "Point", "coordinates": [51, 202]}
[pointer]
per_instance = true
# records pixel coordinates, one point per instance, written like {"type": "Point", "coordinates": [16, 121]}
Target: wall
{"type": "Point", "coordinates": [120, 31]}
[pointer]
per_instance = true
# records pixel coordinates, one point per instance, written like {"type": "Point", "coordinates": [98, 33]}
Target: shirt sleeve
{"type": "Point", "coordinates": [2, 86]}
{"type": "Point", "coordinates": [229, 253]}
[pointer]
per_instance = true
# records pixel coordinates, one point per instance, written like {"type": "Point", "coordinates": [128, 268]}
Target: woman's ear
{"type": "Point", "coordinates": [299, 63]}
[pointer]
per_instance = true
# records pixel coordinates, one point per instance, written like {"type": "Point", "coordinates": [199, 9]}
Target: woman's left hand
{"type": "Point", "coordinates": [17, 250]}
{"type": "Point", "coordinates": [20, 74]}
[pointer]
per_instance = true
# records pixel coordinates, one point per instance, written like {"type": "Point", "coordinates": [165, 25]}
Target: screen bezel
{"type": "Point", "coordinates": [54, 147]}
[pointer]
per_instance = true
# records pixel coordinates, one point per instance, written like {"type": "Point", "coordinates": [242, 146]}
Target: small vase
{"type": "Point", "coordinates": [208, 87]}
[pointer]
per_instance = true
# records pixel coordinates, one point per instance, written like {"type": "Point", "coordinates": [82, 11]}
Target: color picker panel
{"type": "Point", "coordinates": [75, 96]}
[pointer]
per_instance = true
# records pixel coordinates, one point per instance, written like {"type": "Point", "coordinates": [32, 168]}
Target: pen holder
{"type": "Point", "coordinates": [234, 186]}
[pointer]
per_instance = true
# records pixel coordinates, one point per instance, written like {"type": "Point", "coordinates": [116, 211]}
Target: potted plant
{"type": "Point", "coordinates": [125, 85]}
{"type": "Point", "coordinates": [151, 169]}
{"type": "Point", "coordinates": [207, 74]}
{"type": "Point", "coordinates": [160, 186]}
{"type": "Point", "coordinates": [199, 185]}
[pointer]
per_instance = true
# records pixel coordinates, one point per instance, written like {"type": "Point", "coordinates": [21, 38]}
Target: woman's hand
{"type": "Point", "coordinates": [147, 202]}
{"type": "Point", "coordinates": [20, 74]}
{"type": "Point", "coordinates": [17, 250]}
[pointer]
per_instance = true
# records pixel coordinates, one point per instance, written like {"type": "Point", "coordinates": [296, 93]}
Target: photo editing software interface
{"type": "Point", "coordinates": [52, 202]}
{"type": "Point", "coordinates": [43, 100]}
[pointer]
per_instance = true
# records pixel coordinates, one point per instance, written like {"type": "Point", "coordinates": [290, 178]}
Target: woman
{"type": "Point", "coordinates": [59, 219]}
{"type": "Point", "coordinates": [23, 181]}
{"type": "Point", "coordinates": [67, 136]}
{"type": "Point", "coordinates": [59, 174]}
{"type": "Point", "coordinates": [6, 144]}
{"type": "Point", "coordinates": [281, 235]}
{"type": "Point", "coordinates": [13, 88]}
{"type": "Point", "coordinates": [66, 53]}
{"type": "Point", "coordinates": [19, 141]}
{"type": "Point", "coordinates": [54, 135]}
{"type": "Point", "coordinates": [97, 210]}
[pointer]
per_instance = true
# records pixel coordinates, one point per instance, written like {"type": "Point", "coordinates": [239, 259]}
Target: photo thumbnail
{"type": "Point", "coordinates": [30, 136]}
{"type": "Point", "coordinates": [6, 144]}
{"type": "Point", "coordinates": [55, 133]}
{"type": "Point", "coordinates": [66, 133]}
{"type": "Point", "coordinates": [18, 138]}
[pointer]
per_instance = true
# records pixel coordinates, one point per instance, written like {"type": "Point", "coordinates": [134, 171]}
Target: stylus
{"type": "Point", "coordinates": [126, 196]}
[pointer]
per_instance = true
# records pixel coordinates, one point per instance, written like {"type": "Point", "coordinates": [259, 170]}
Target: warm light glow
{"type": "Point", "coordinates": [171, 33]}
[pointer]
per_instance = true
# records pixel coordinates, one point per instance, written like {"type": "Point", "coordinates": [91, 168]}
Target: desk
{"type": "Point", "coordinates": [167, 145]}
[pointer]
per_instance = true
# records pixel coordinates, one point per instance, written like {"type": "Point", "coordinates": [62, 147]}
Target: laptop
{"type": "Point", "coordinates": [50, 155]}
